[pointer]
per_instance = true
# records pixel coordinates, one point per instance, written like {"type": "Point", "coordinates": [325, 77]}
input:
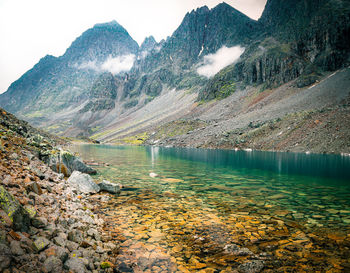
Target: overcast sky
{"type": "Point", "coordinates": [30, 29]}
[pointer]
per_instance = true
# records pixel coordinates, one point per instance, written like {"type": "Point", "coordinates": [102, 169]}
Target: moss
{"type": "Point", "coordinates": [31, 211]}
{"type": "Point", "coordinates": [7, 202]}
{"type": "Point", "coordinates": [105, 265]}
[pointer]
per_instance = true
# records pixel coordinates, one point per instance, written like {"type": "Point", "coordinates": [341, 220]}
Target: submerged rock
{"type": "Point", "coordinates": [83, 183]}
{"type": "Point", "coordinates": [251, 267]}
{"type": "Point", "coordinates": [109, 187]}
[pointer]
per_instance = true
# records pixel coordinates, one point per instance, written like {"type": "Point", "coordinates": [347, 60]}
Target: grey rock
{"type": "Point", "coordinates": [94, 234]}
{"type": "Point", "coordinates": [39, 222]}
{"type": "Point", "coordinates": [34, 187]}
{"type": "Point", "coordinates": [75, 236]}
{"type": "Point", "coordinates": [53, 264]}
{"type": "Point", "coordinates": [75, 265]}
{"type": "Point", "coordinates": [87, 219]}
{"type": "Point", "coordinates": [14, 156]}
{"type": "Point", "coordinates": [59, 241]}
{"type": "Point", "coordinates": [41, 243]}
{"type": "Point", "coordinates": [83, 183]}
{"type": "Point", "coordinates": [3, 235]}
{"type": "Point", "coordinates": [31, 211]}
{"type": "Point", "coordinates": [109, 187]}
{"type": "Point", "coordinates": [5, 257]}
{"type": "Point", "coordinates": [72, 246]}
{"type": "Point", "coordinates": [110, 247]}
{"type": "Point", "coordinates": [42, 257]}
{"type": "Point", "coordinates": [62, 253]}
{"type": "Point", "coordinates": [254, 266]}
{"type": "Point", "coordinates": [71, 163]}
{"type": "Point", "coordinates": [16, 248]}
{"type": "Point", "coordinates": [18, 215]}
{"type": "Point", "coordinates": [234, 249]}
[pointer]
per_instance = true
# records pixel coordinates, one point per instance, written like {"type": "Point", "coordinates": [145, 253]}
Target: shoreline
{"type": "Point", "coordinates": [46, 223]}
{"type": "Point", "coordinates": [213, 148]}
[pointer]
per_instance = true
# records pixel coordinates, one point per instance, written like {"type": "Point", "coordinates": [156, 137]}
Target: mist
{"type": "Point", "coordinates": [114, 65]}
{"type": "Point", "coordinates": [213, 63]}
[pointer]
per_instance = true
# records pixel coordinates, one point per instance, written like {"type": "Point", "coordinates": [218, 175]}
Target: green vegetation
{"type": "Point", "coordinates": [133, 140]}
{"type": "Point", "coordinates": [226, 90]}
{"type": "Point", "coordinates": [131, 103]}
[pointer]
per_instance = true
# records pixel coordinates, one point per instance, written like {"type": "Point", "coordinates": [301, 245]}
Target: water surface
{"type": "Point", "coordinates": [265, 201]}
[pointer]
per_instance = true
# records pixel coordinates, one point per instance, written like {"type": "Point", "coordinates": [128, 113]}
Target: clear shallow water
{"type": "Point", "coordinates": [224, 192]}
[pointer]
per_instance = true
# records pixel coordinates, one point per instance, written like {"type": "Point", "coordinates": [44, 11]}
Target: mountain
{"type": "Point", "coordinates": [170, 64]}
{"type": "Point", "coordinates": [108, 87]}
{"type": "Point", "coordinates": [58, 84]}
{"type": "Point", "coordinates": [301, 39]}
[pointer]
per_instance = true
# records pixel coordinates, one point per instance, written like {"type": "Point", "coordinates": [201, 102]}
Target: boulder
{"type": "Point", "coordinates": [41, 243]}
{"type": "Point", "coordinates": [14, 210]}
{"type": "Point", "coordinates": [109, 187]}
{"type": "Point", "coordinates": [53, 264]}
{"type": "Point", "coordinates": [83, 183]}
{"type": "Point", "coordinates": [68, 164]}
{"type": "Point", "coordinates": [5, 257]}
{"type": "Point", "coordinates": [75, 265]}
{"type": "Point", "coordinates": [16, 248]}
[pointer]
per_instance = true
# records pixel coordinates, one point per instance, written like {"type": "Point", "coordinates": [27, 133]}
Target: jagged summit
{"type": "Point", "coordinates": [148, 44]}
{"type": "Point", "coordinates": [101, 41]}
{"type": "Point", "coordinates": [112, 23]}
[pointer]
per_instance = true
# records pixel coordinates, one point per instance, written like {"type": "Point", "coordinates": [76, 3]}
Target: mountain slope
{"type": "Point", "coordinates": [293, 45]}
{"type": "Point", "coordinates": [55, 84]}
{"type": "Point", "coordinates": [172, 63]}
{"type": "Point", "coordinates": [301, 39]}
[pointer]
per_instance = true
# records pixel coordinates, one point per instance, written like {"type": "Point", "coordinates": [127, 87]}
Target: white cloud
{"type": "Point", "coordinates": [119, 64]}
{"type": "Point", "coordinates": [114, 65]}
{"type": "Point", "coordinates": [213, 63]}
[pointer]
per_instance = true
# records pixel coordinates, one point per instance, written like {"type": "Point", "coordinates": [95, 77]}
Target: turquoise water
{"type": "Point", "coordinates": [292, 211]}
{"type": "Point", "coordinates": [305, 184]}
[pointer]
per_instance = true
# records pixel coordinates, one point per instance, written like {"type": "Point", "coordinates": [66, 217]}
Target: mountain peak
{"type": "Point", "coordinates": [112, 23]}
{"type": "Point", "coordinates": [101, 41]}
{"type": "Point", "coordinates": [148, 44]}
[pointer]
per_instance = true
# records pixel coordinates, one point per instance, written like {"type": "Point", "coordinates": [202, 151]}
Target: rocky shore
{"type": "Point", "coordinates": [47, 223]}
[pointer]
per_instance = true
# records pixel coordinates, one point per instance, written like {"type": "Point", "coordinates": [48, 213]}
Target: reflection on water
{"type": "Point", "coordinates": [204, 202]}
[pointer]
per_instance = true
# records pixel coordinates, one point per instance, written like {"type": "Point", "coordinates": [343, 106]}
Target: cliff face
{"type": "Point", "coordinates": [301, 39]}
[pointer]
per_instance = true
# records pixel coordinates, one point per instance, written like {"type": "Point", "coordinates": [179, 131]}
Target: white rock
{"type": "Point", "coordinates": [109, 187]}
{"type": "Point", "coordinates": [83, 182]}
{"type": "Point", "coordinates": [153, 175]}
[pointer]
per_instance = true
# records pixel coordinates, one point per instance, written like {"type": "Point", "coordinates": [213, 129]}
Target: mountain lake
{"type": "Point", "coordinates": [197, 210]}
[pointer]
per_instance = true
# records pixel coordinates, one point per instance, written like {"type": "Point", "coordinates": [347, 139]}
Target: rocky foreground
{"type": "Point", "coordinates": [47, 223]}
